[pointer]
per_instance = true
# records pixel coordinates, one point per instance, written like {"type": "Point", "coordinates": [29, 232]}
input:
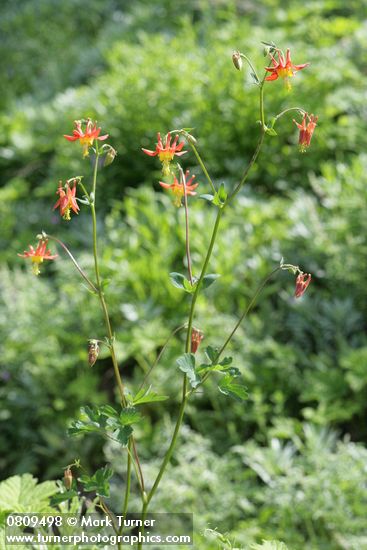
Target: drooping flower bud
{"type": "Point", "coordinates": [106, 155]}
{"type": "Point", "coordinates": [237, 60]}
{"type": "Point", "coordinates": [191, 139]}
{"type": "Point", "coordinates": [302, 282]}
{"type": "Point", "coordinates": [196, 338]}
{"type": "Point", "coordinates": [110, 157]}
{"type": "Point", "coordinates": [68, 478]}
{"type": "Point", "coordinates": [93, 352]}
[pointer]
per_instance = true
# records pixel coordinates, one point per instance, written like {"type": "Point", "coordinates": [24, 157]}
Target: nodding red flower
{"type": "Point", "coordinates": [67, 200]}
{"type": "Point", "coordinates": [166, 151]}
{"type": "Point", "coordinates": [37, 256]}
{"type": "Point", "coordinates": [86, 137]}
{"type": "Point", "coordinates": [306, 129]}
{"type": "Point", "coordinates": [178, 188]}
{"type": "Point", "coordinates": [196, 338]}
{"type": "Point", "coordinates": [302, 282]}
{"type": "Point", "coordinates": [283, 68]}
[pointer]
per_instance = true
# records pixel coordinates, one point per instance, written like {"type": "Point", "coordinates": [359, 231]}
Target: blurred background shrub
{"type": "Point", "coordinates": [275, 466]}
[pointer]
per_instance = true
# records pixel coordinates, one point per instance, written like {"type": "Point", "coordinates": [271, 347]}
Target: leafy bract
{"type": "Point", "coordinates": [106, 421]}
{"type": "Point", "coordinates": [146, 395]}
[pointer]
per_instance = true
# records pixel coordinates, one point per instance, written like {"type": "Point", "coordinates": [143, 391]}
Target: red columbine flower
{"type": "Point", "coordinates": [306, 129]}
{"type": "Point", "coordinates": [283, 68]}
{"type": "Point", "coordinates": [167, 151]}
{"type": "Point", "coordinates": [37, 256]}
{"type": "Point", "coordinates": [196, 338]}
{"type": "Point", "coordinates": [86, 138]}
{"type": "Point", "coordinates": [178, 188]}
{"type": "Point", "coordinates": [302, 282]}
{"type": "Point", "coordinates": [67, 200]}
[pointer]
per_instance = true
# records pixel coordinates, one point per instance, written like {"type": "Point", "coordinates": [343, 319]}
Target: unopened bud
{"type": "Point", "coordinates": [237, 60]}
{"type": "Point", "coordinates": [302, 282]}
{"type": "Point", "coordinates": [190, 138]}
{"type": "Point", "coordinates": [110, 155]}
{"type": "Point", "coordinates": [93, 352]}
{"type": "Point", "coordinates": [196, 338]}
{"type": "Point", "coordinates": [68, 478]}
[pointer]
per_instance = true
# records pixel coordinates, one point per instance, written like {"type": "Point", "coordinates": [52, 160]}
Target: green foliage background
{"type": "Point", "coordinates": [289, 463]}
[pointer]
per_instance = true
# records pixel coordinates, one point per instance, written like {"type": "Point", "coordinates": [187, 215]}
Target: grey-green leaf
{"type": "Point", "coordinates": [186, 363]}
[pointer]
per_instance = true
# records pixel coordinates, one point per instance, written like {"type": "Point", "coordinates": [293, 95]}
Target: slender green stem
{"type": "Point", "coordinates": [250, 65]}
{"type": "Point", "coordinates": [202, 275]}
{"type": "Point", "coordinates": [136, 471]}
{"type": "Point", "coordinates": [85, 191]}
{"type": "Point", "coordinates": [185, 393]}
{"type": "Point", "coordinates": [168, 454]}
{"type": "Point", "coordinates": [247, 310]}
{"type": "Point", "coordinates": [99, 287]}
{"type": "Point", "coordinates": [257, 150]}
{"type": "Point", "coordinates": [250, 165]}
{"type": "Point", "coordinates": [172, 444]}
{"type": "Point", "coordinates": [298, 109]}
{"type": "Point", "coordinates": [158, 358]}
{"type": "Point", "coordinates": [240, 320]}
{"type": "Point", "coordinates": [203, 167]}
{"type": "Point", "coordinates": [136, 457]}
{"type": "Point", "coordinates": [105, 310]}
{"type": "Point", "coordinates": [106, 510]}
{"type": "Point", "coordinates": [262, 113]}
{"type": "Point", "coordinates": [187, 240]}
{"type": "Point", "coordinates": [187, 348]}
{"type": "Point", "coordinates": [128, 480]}
{"type": "Point", "coordinates": [92, 286]}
